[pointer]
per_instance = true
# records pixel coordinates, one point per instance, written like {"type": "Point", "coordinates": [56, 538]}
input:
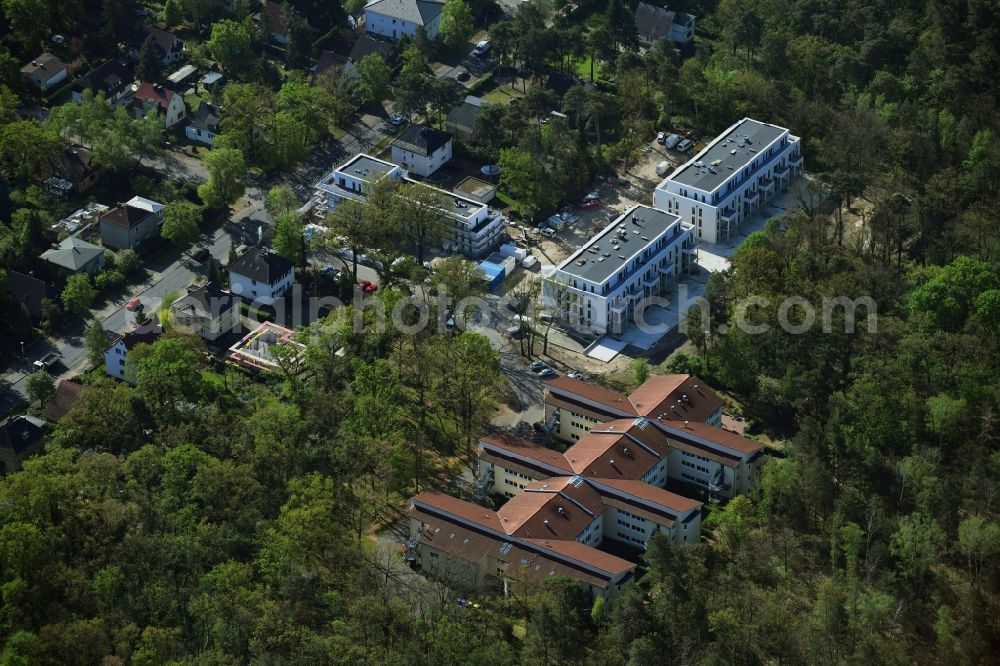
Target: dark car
{"type": "Point", "coordinates": [463, 76]}
{"type": "Point", "coordinates": [201, 255]}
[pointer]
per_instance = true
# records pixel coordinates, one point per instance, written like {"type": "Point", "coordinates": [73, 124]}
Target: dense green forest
{"type": "Point", "coordinates": [202, 518]}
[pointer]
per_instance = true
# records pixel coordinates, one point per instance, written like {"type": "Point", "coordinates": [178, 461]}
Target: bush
{"type": "Point", "coordinates": [127, 261]}
{"type": "Point", "coordinates": [109, 279]}
{"type": "Point", "coordinates": [476, 87]}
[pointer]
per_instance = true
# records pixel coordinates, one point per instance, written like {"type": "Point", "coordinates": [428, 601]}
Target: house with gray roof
{"type": "Point", "coordinates": [74, 255]}
{"type": "Point", "coordinates": [656, 23]}
{"type": "Point", "coordinates": [421, 150]}
{"type": "Point", "coordinates": [395, 18]}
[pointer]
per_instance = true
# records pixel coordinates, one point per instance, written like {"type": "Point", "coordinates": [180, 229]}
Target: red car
{"type": "Point", "coordinates": [367, 286]}
{"type": "Point", "coordinates": [588, 205]}
{"type": "Point", "coordinates": [133, 304]}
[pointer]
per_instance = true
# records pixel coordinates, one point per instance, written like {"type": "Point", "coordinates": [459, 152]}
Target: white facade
{"type": "Point", "coordinates": [385, 18]}
{"type": "Point", "coordinates": [731, 179]}
{"type": "Point", "coordinates": [422, 165]}
{"type": "Point", "coordinates": [475, 229]}
{"type": "Point", "coordinates": [634, 259]}
{"type": "Point", "coordinates": [114, 360]}
{"type": "Point", "coordinates": [200, 134]}
{"type": "Point", "coordinates": [261, 292]}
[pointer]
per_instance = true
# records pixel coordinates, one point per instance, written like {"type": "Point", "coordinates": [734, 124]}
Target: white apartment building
{"type": "Point", "coordinates": [635, 258]}
{"type": "Point", "coordinates": [475, 228]}
{"type": "Point", "coordinates": [116, 355]}
{"type": "Point", "coordinates": [395, 18]}
{"type": "Point", "coordinates": [731, 179]}
{"type": "Point", "coordinates": [261, 275]}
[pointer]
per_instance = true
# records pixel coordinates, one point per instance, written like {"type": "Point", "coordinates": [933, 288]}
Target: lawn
{"type": "Point", "coordinates": [583, 69]}
{"type": "Point", "coordinates": [503, 94]}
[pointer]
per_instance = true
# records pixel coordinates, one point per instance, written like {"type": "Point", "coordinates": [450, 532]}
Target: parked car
{"type": "Point", "coordinates": [547, 373]}
{"type": "Point", "coordinates": [201, 255]}
{"type": "Point", "coordinates": [591, 204]}
{"type": "Point", "coordinates": [661, 138]}
{"type": "Point", "coordinates": [574, 375]}
{"type": "Point", "coordinates": [330, 272]}
{"type": "Point", "coordinates": [685, 145]}
{"type": "Point", "coordinates": [481, 48]}
{"type": "Point", "coordinates": [368, 287]}
{"type": "Point", "coordinates": [133, 304]}
{"type": "Point", "coordinates": [46, 362]}
{"type": "Point", "coordinates": [538, 366]}
{"type": "Point", "coordinates": [463, 76]}
{"type": "Point", "coordinates": [548, 232]}
{"type": "Point", "coordinates": [397, 120]}
{"type": "Point", "coordinates": [672, 141]}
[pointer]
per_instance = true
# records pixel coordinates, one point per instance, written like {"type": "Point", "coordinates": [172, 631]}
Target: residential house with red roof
{"type": "Point", "coordinates": [165, 102]}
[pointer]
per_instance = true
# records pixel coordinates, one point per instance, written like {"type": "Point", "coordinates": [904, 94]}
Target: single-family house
{"type": "Point", "coordinates": [131, 224]}
{"type": "Point", "coordinates": [67, 393]}
{"type": "Point", "coordinates": [154, 97]}
{"type": "Point", "coordinates": [261, 275]}
{"type": "Point", "coordinates": [113, 79]}
{"type": "Point", "coordinates": [461, 121]}
{"type": "Point", "coordinates": [20, 436]}
{"type": "Point", "coordinates": [395, 18]}
{"type": "Point", "coordinates": [169, 46]}
{"type": "Point", "coordinates": [204, 125]}
{"type": "Point", "coordinates": [207, 311]}
{"type": "Point", "coordinates": [272, 21]}
{"type": "Point", "coordinates": [656, 23]}
{"type": "Point", "coordinates": [73, 171]}
{"type": "Point", "coordinates": [28, 292]}
{"type": "Point", "coordinates": [421, 150]}
{"type": "Point", "coordinates": [116, 355]}
{"type": "Point", "coordinates": [365, 45]}
{"type": "Point", "coordinates": [74, 255]}
{"type": "Point", "coordinates": [329, 60]}
{"type": "Point", "coordinates": [45, 71]}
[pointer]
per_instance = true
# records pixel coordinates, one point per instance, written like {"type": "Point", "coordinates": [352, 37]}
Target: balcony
{"type": "Point", "coordinates": [668, 269]}
{"type": "Point", "coordinates": [795, 162]}
{"type": "Point", "coordinates": [780, 171]}
{"type": "Point", "coordinates": [751, 198]}
{"type": "Point", "coordinates": [650, 280]}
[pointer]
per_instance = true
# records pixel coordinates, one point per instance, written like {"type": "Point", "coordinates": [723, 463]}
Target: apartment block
{"type": "Point", "coordinates": [637, 257]}
{"type": "Point", "coordinates": [731, 179]}
{"type": "Point", "coordinates": [685, 410]}
{"type": "Point", "coordinates": [474, 228]}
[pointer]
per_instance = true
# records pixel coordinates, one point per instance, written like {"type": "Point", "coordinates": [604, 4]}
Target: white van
{"type": "Point", "coordinates": [547, 232]}
{"type": "Point", "coordinates": [663, 168]}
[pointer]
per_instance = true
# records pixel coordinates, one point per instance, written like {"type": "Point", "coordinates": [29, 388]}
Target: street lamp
{"type": "Point", "coordinates": [22, 347]}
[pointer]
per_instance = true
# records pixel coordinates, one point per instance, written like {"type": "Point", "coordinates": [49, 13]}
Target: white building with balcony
{"type": "Point", "coordinates": [731, 179]}
{"type": "Point", "coordinates": [474, 228]}
{"type": "Point", "coordinates": [636, 258]}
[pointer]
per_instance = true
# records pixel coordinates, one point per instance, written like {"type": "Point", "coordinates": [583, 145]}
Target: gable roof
{"type": "Point", "coordinates": [262, 264]}
{"type": "Point", "coordinates": [58, 406]}
{"type": "Point", "coordinates": [421, 140]}
{"type": "Point", "coordinates": [592, 392]}
{"type": "Point", "coordinates": [420, 12]}
{"type": "Point", "coordinates": [206, 117]}
{"type": "Point", "coordinates": [327, 60]}
{"type": "Point", "coordinates": [366, 45]}
{"type": "Point", "coordinates": [72, 253]}
{"type": "Point", "coordinates": [520, 448]}
{"type": "Point", "coordinates": [653, 22]}
{"type": "Point", "coordinates": [20, 433]}
{"type": "Point", "coordinates": [109, 78]}
{"type": "Point", "coordinates": [154, 93]}
{"type": "Point", "coordinates": [27, 290]}
{"type": "Point", "coordinates": [720, 436]}
{"type": "Point", "coordinates": [45, 66]}
{"type": "Point", "coordinates": [73, 163]}
{"type": "Point", "coordinates": [676, 398]}
{"type": "Point", "coordinates": [132, 212]}
{"type": "Point", "coordinates": [646, 492]}
{"type": "Point", "coordinates": [275, 20]}
{"type": "Point", "coordinates": [164, 40]}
